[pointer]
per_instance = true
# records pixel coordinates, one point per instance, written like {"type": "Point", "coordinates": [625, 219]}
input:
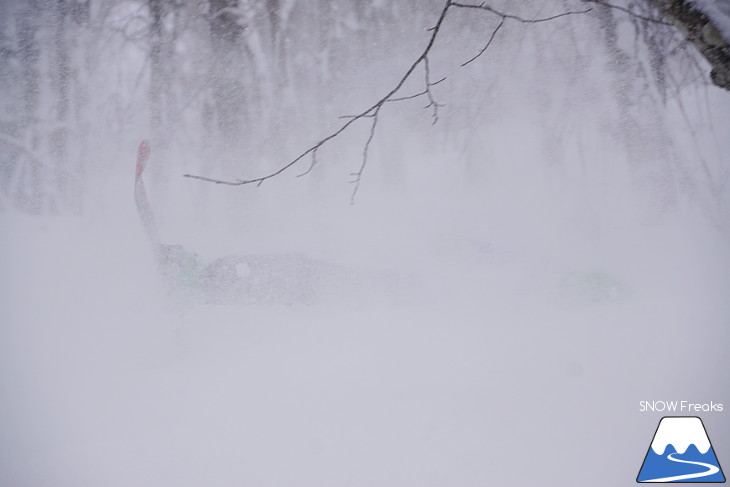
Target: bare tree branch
{"type": "Point", "coordinates": [431, 100]}
{"type": "Point", "coordinates": [416, 95]}
{"type": "Point", "coordinates": [369, 111]}
{"type": "Point", "coordinates": [374, 110]}
{"type": "Point", "coordinates": [409, 97]}
{"type": "Point", "coordinates": [484, 6]}
{"type": "Point", "coordinates": [358, 175]}
{"type": "Point", "coordinates": [629, 11]}
{"type": "Point", "coordinates": [489, 42]}
{"type": "Point", "coordinates": [311, 166]}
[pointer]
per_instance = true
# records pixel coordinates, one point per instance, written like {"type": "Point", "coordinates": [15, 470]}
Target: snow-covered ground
{"type": "Point", "coordinates": [502, 364]}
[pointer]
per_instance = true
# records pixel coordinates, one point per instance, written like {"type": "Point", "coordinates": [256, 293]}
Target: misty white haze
{"type": "Point", "coordinates": [517, 265]}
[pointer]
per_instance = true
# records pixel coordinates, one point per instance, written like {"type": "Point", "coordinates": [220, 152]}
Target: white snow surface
{"type": "Point", "coordinates": [106, 381]}
{"type": "Point", "coordinates": [681, 433]}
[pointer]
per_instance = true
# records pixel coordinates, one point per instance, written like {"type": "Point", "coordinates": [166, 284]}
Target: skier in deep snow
{"type": "Point", "coordinates": [233, 278]}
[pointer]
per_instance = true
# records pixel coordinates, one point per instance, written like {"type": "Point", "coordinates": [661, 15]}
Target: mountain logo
{"type": "Point", "coordinates": [681, 452]}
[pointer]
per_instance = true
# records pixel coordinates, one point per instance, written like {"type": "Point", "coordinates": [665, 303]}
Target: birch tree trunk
{"type": "Point", "coordinates": [226, 28]}
{"type": "Point", "coordinates": [703, 33]}
{"type": "Point", "coordinates": [59, 135]}
{"type": "Point", "coordinates": [29, 194]}
{"type": "Point", "coordinates": [157, 76]}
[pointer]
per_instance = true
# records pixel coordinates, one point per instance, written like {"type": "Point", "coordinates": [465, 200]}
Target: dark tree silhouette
{"type": "Point", "coordinates": [703, 33]}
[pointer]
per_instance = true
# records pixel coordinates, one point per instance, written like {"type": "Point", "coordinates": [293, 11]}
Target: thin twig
{"type": "Point", "coordinates": [311, 166]}
{"type": "Point", "coordinates": [356, 116]}
{"type": "Point", "coordinates": [484, 6]}
{"type": "Point", "coordinates": [416, 95]}
{"type": "Point", "coordinates": [432, 103]}
{"type": "Point", "coordinates": [629, 11]}
{"type": "Point", "coordinates": [358, 175]}
{"type": "Point", "coordinates": [489, 42]}
{"type": "Point", "coordinates": [409, 97]}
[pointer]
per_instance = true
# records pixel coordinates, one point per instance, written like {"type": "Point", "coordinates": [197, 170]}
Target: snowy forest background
{"type": "Point", "coordinates": [539, 249]}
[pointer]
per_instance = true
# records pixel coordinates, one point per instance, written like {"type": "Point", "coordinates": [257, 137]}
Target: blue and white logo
{"type": "Point", "coordinates": [681, 452]}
